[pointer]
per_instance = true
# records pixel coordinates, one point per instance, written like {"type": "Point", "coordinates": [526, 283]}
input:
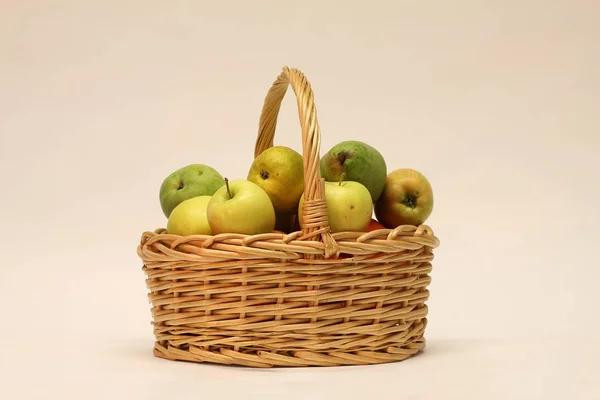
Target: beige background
{"type": "Point", "coordinates": [494, 101]}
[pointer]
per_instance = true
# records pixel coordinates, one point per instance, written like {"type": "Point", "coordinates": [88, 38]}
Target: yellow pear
{"type": "Point", "coordinates": [279, 170]}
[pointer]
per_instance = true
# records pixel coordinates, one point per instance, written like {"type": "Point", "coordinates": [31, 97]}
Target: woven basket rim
{"type": "Point", "coordinates": [291, 246]}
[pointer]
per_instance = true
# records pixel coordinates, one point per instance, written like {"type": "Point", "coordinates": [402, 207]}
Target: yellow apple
{"type": "Point", "coordinates": [349, 206]}
{"type": "Point", "coordinates": [189, 217]}
{"type": "Point", "coordinates": [241, 206]}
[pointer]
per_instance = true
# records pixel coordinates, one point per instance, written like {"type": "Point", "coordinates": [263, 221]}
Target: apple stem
{"type": "Point", "coordinates": [342, 178]}
{"type": "Point", "coordinates": [227, 185]}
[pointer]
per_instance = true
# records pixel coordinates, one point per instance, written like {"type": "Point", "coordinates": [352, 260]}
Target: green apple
{"type": "Point", "coordinates": [359, 162]}
{"type": "Point", "coordinates": [349, 206]}
{"type": "Point", "coordinates": [241, 206]}
{"type": "Point", "coordinates": [190, 181]}
{"type": "Point", "coordinates": [189, 217]}
{"type": "Point", "coordinates": [407, 199]}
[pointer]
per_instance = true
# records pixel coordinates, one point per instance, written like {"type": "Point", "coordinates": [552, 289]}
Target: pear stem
{"type": "Point", "coordinates": [227, 185]}
{"type": "Point", "coordinates": [342, 178]}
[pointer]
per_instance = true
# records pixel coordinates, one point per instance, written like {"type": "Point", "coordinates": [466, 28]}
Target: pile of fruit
{"type": "Point", "coordinates": [198, 200]}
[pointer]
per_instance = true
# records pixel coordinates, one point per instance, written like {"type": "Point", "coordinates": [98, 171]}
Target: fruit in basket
{"type": "Point", "coordinates": [284, 221]}
{"type": "Point", "coordinates": [359, 161]}
{"type": "Point", "coordinates": [241, 206]}
{"type": "Point", "coordinates": [190, 181]}
{"type": "Point", "coordinates": [189, 217]}
{"type": "Point", "coordinates": [340, 256]}
{"type": "Point", "coordinates": [407, 199]}
{"type": "Point", "coordinates": [279, 171]}
{"type": "Point", "coordinates": [295, 223]}
{"type": "Point", "coordinates": [349, 206]}
{"type": "Point", "coordinates": [374, 225]}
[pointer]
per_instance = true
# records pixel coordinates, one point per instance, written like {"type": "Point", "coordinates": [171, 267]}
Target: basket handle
{"type": "Point", "coordinates": [314, 223]}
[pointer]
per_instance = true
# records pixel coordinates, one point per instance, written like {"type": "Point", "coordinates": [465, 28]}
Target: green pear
{"type": "Point", "coordinates": [187, 182]}
{"type": "Point", "coordinates": [360, 162]}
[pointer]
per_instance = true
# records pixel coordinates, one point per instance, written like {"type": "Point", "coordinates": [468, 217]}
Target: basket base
{"type": "Point", "coordinates": [267, 359]}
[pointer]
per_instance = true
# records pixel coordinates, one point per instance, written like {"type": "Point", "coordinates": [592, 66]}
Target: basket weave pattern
{"type": "Point", "coordinates": [287, 300]}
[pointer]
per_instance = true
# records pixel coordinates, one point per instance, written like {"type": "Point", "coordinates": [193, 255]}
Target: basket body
{"type": "Point", "coordinates": [268, 311]}
{"type": "Point", "coordinates": [308, 298]}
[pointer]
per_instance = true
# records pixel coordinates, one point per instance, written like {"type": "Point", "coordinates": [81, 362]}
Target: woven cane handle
{"type": "Point", "coordinates": [314, 219]}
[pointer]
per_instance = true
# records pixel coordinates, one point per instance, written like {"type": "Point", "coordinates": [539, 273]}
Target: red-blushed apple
{"type": "Point", "coordinates": [374, 225]}
{"type": "Point", "coordinates": [349, 206]}
{"type": "Point", "coordinates": [407, 199]}
{"type": "Point", "coordinates": [241, 206]}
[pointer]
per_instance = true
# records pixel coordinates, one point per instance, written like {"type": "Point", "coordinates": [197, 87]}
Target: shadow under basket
{"type": "Point", "coordinates": [308, 298]}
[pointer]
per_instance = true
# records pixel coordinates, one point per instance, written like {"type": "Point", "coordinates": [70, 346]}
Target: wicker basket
{"type": "Point", "coordinates": [289, 300]}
